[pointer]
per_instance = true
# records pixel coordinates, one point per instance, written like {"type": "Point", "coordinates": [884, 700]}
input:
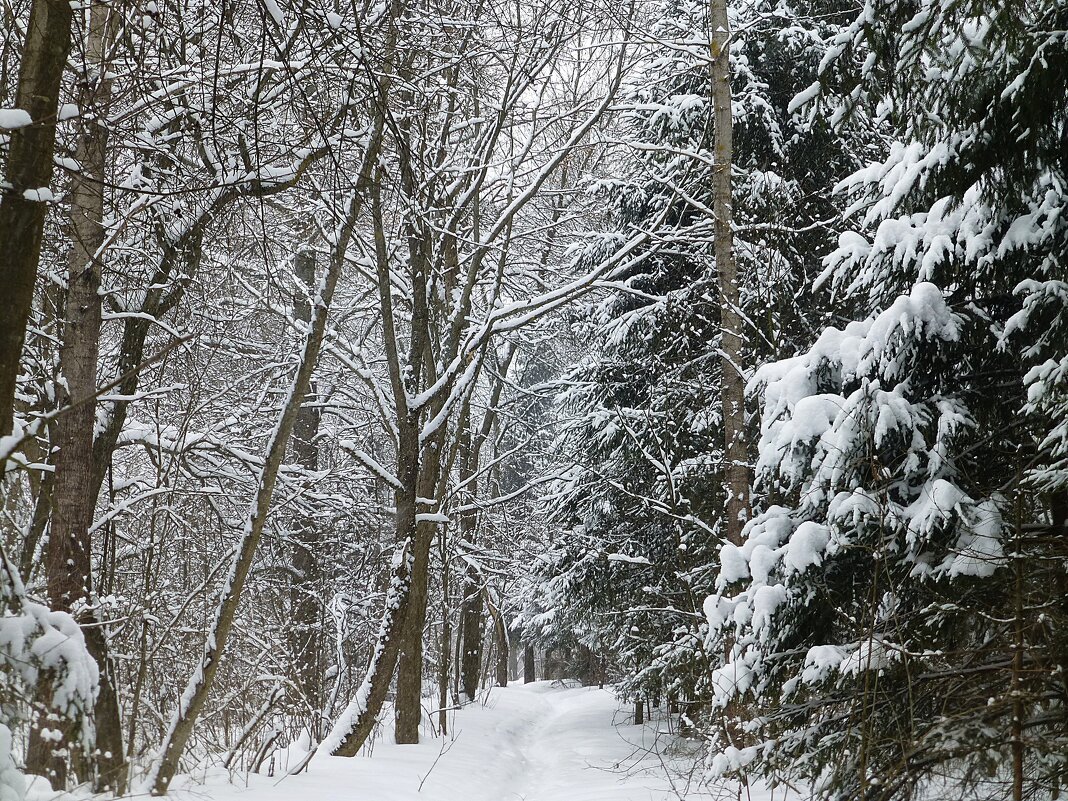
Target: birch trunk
{"type": "Point", "coordinates": [736, 454]}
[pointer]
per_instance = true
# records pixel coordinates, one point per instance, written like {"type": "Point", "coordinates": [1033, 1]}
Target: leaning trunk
{"type": "Point", "coordinates": [357, 722]}
{"type": "Point", "coordinates": [196, 692]}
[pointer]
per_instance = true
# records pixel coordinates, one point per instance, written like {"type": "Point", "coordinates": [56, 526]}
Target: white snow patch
{"type": "Point", "coordinates": [11, 118]}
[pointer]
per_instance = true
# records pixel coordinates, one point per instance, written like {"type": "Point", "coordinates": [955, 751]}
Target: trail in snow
{"type": "Point", "coordinates": [537, 742]}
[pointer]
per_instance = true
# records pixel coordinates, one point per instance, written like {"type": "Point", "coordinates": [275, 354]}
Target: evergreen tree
{"type": "Point", "coordinates": [641, 510]}
{"type": "Point", "coordinates": [895, 616]}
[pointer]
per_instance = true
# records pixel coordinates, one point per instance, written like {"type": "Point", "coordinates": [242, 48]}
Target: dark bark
{"type": "Point", "coordinates": [471, 611]}
{"type": "Point", "coordinates": [305, 631]}
{"type": "Point", "coordinates": [68, 555]}
{"type": "Point", "coordinates": [409, 701]}
{"type": "Point", "coordinates": [29, 167]}
{"type": "Point", "coordinates": [586, 666]}
{"type": "Point", "coordinates": [528, 665]}
{"type": "Point", "coordinates": [500, 636]}
{"type": "Point", "coordinates": [445, 648]}
{"type": "Point", "coordinates": [513, 656]}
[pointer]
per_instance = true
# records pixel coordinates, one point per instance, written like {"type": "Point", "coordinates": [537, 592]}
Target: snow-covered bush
{"type": "Point", "coordinates": [12, 782]}
{"type": "Point", "coordinates": [42, 656]}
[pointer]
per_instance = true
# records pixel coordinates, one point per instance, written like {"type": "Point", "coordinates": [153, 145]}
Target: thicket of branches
{"type": "Point", "coordinates": [349, 351]}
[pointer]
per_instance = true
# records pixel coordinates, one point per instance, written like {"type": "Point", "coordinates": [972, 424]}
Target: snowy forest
{"type": "Point", "coordinates": [409, 391]}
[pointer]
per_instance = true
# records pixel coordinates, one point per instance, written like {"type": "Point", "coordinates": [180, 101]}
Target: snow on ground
{"type": "Point", "coordinates": [535, 742]}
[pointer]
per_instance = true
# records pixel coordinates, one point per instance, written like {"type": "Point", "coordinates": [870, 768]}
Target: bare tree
{"type": "Point", "coordinates": [69, 550]}
{"type": "Point", "coordinates": [25, 192]}
{"type": "Point", "coordinates": [200, 684]}
{"type": "Point", "coordinates": [475, 149]}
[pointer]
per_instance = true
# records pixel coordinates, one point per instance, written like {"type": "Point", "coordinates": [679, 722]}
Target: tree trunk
{"type": "Point", "coordinates": [587, 666]}
{"type": "Point", "coordinates": [471, 610]}
{"type": "Point", "coordinates": [639, 711]}
{"type": "Point", "coordinates": [528, 665]}
{"type": "Point", "coordinates": [500, 638]}
{"type": "Point", "coordinates": [68, 555]}
{"type": "Point", "coordinates": [409, 701]}
{"type": "Point", "coordinates": [358, 720]}
{"type": "Point", "coordinates": [736, 454]}
{"type": "Point", "coordinates": [196, 692]}
{"type": "Point", "coordinates": [445, 647]}
{"type": "Point", "coordinates": [29, 168]}
{"type": "Point", "coordinates": [305, 631]}
{"type": "Point", "coordinates": [356, 723]}
{"type": "Point", "coordinates": [513, 656]}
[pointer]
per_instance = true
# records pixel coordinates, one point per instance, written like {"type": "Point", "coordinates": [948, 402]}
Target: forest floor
{"type": "Point", "coordinates": [536, 742]}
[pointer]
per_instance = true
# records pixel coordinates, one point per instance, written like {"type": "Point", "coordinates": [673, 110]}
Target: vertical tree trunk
{"type": "Point", "coordinates": [29, 169]}
{"type": "Point", "coordinates": [68, 554]}
{"type": "Point", "coordinates": [1017, 690]}
{"type": "Point", "coordinates": [736, 453]}
{"type": "Point", "coordinates": [196, 692]}
{"type": "Point", "coordinates": [445, 647]}
{"type": "Point", "coordinates": [639, 711]}
{"type": "Point", "coordinates": [500, 639]}
{"type": "Point", "coordinates": [528, 664]}
{"type": "Point", "coordinates": [471, 611]}
{"type": "Point", "coordinates": [409, 701]}
{"type": "Point", "coordinates": [513, 656]}
{"type": "Point", "coordinates": [305, 631]}
{"type": "Point", "coordinates": [586, 668]}
{"type": "Point", "coordinates": [471, 605]}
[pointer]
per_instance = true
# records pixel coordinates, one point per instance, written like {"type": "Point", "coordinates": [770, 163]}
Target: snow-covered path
{"type": "Point", "coordinates": [539, 742]}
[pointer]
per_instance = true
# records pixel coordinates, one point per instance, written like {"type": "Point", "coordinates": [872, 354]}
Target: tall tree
{"type": "Point", "coordinates": [25, 192]}
{"type": "Point", "coordinates": [68, 562]}
{"type": "Point", "coordinates": [643, 505]}
{"type": "Point", "coordinates": [732, 334]}
{"type": "Point", "coordinates": [896, 607]}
